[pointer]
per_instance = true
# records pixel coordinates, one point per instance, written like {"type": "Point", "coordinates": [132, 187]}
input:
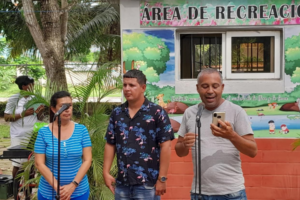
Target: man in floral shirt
{"type": "Point", "coordinates": [140, 133]}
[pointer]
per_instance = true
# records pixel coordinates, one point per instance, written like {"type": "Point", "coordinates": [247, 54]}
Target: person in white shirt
{"type": "Point", "coordinates": [21, 120]}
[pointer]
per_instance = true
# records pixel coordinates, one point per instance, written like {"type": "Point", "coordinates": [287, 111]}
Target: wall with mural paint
{"type": "Point", "coordinates": [149, 43]}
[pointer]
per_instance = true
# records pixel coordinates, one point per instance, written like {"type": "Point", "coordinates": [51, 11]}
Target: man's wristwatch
{"type": "Point", "coordinates": [162, 179]}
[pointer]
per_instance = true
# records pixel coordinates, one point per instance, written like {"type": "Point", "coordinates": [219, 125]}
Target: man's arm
{"type": "Point", "coordinates": [184, 144]}
{"type": "Point", "coordinates": [15, 117]}
{"type": "Point", "coordinates": [109, 153]}
{"type": "Point", "coordinates": [164, 161]}
{"type": "Point", "coordinates": [180, 148]}
{"type": "Point", "coordinates": [11, 117]}
{"type": "Point", "coordinates": [245, 144]}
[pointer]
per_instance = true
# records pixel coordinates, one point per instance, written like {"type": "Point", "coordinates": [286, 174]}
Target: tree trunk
{"type": "Point", "coordinates": [124, 69]}
{"type": "Point", "coordinates": [49, 38]}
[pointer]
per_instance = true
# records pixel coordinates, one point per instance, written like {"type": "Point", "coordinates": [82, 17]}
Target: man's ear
{"type": "Point", "coordinates": [144, 87]}
{"type": "Point", "coordinates": [24, 87]}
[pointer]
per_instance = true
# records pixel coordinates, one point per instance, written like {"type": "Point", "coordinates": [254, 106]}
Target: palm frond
{"type": "Point", "coordinates": [99, 85]}
{"type": "Point", "coordinates": [102, 16]}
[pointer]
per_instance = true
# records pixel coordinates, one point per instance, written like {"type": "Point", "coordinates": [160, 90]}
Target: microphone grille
{"type": "Point", "coordinates": [201, 104]}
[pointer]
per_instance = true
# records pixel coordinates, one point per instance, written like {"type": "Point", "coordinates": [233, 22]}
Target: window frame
{"type": "Point", "coordinates": [183, 86]}
{"type": "Point", "coordinates": [277, 61]}
{"type": "Point", "coordinates": [237, 85]}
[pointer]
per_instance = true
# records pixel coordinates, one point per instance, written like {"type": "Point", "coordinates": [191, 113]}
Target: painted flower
{"type": "Point", "coordinates": [277, 22]}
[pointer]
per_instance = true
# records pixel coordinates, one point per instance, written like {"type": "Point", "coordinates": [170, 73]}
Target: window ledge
{"type": "Point", "coordinates": [235, 86]}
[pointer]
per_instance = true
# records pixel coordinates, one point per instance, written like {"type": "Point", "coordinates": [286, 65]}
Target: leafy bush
{"type": "Point", "coordinates": [7, 76]}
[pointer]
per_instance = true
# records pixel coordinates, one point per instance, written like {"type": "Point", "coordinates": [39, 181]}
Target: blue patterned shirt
{"type": "Point", "coordinates": [137, 142]}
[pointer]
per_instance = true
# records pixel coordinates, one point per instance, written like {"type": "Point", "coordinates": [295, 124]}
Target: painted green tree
{"type": "Point", "coordinates": [147, 53]}
{"type": "Point", "coordinates": [292, 51]}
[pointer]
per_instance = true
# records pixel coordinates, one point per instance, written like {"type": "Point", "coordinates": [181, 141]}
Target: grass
{"type": "Point", "coordinates": [12, 89]}
{"type": "Point", "coordinates": [4, 131]}
{"type": "Point", "coordinates": [294, 133]}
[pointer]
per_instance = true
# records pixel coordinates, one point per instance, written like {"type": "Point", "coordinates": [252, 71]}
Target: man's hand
{"type": "Point", "coordinates": [225, 131]}
{"type": "Point", "coordinates": [66, 191]}
{"type": "Point", "coordinates": [161, 188]}
{"type": "Point", "coordinates": [28, 112]}
{"type": "Point", "coordinates": [39, 109]}
{"type": "Point", "coordinates": [189, 139]}
{"type": "Point", "coordinates": [110, 182]}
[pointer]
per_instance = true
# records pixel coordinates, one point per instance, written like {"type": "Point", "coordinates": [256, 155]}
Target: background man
{"type": "Point", "coordinates": [140, 133]}
{"type": "Point", "coordinates": [221, 173]}
{"type": "Point", "coordinates": [20, 129]}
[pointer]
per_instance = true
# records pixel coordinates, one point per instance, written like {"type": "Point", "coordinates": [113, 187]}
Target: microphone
{"type": "Point", "coordinates": [201, 107]}
{"type": "Point", "coordinates": [64, 107]}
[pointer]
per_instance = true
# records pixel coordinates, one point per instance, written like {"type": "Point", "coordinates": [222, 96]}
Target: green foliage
{"type": "Point", "coordinates": [35, 69]}
{"type": "Point", "coordinates": [151, 75]}
{"type": "Point", "coordinates": [292, 52]}
{"type": "Point", "coordinates": [85, 58]}
{"type": "Point", "coordinates": [96, 25]}
{"type": "Point", "coordinates": [152, 53]}
{"type": "Point", "coordinates": [296, 75]}
{"type": "Point", "coordinates": [7, 76]}
{"type": "Point", "coordinates": [296, 92]}
{"type": "Point", "coordinates": [140, 47]}
{"type": "Point", "coordinates": [11, 89]}
{"type": "Point", "coordinates": [292, 42]}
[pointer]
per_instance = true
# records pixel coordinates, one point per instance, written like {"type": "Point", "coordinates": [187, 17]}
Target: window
{"type": "Point", "coordinates": [253, 55]}
{"type": "Point", "coordinates": [248, 60]}
{"type": "Point", "coordinates": [199, 51]}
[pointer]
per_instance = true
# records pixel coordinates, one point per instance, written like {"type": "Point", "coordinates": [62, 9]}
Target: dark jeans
{"type": "Point", "coordinates": [135, 192]}
{"type": "Point", "coordinates": [240, 195]}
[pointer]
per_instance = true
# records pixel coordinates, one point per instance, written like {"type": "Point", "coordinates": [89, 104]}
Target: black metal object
{"type": "Point", "coordinates": [6, 186]}
{"type": "Point", "coordinates": [58, 159]}
{"type": "Point", "coordinates": [15, 152]}
{"type": "Point", "coordinates": [198, 141]}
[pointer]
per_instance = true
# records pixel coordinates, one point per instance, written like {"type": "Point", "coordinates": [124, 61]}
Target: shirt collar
{"type": "Point", "coordinates": [145, 107]}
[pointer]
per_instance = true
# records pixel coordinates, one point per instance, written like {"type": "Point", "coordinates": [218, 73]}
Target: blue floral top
{"type": "Point", "coordinates": [137, 142]}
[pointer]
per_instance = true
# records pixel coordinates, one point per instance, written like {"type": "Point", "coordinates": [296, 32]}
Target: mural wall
{"type": "Point", "coordinates": [218, 12]}
{"type": "Point", "coordinates": [271, 115]}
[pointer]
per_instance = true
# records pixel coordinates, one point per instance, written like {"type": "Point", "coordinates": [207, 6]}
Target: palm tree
{"type": "Point", "coordinates": [101, 84]}
{"type": "Point", "coordinates": [56, 35]}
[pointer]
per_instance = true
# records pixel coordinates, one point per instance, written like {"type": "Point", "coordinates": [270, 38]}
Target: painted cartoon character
{"type": "Point", "coordinates": [161, 101]}
{"type": "Point", "coordinates": [271, 127]}
{"type": "Point", "coordinates": [272, 105]}
{"type": "Point", "coordinates": [284, 129]}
